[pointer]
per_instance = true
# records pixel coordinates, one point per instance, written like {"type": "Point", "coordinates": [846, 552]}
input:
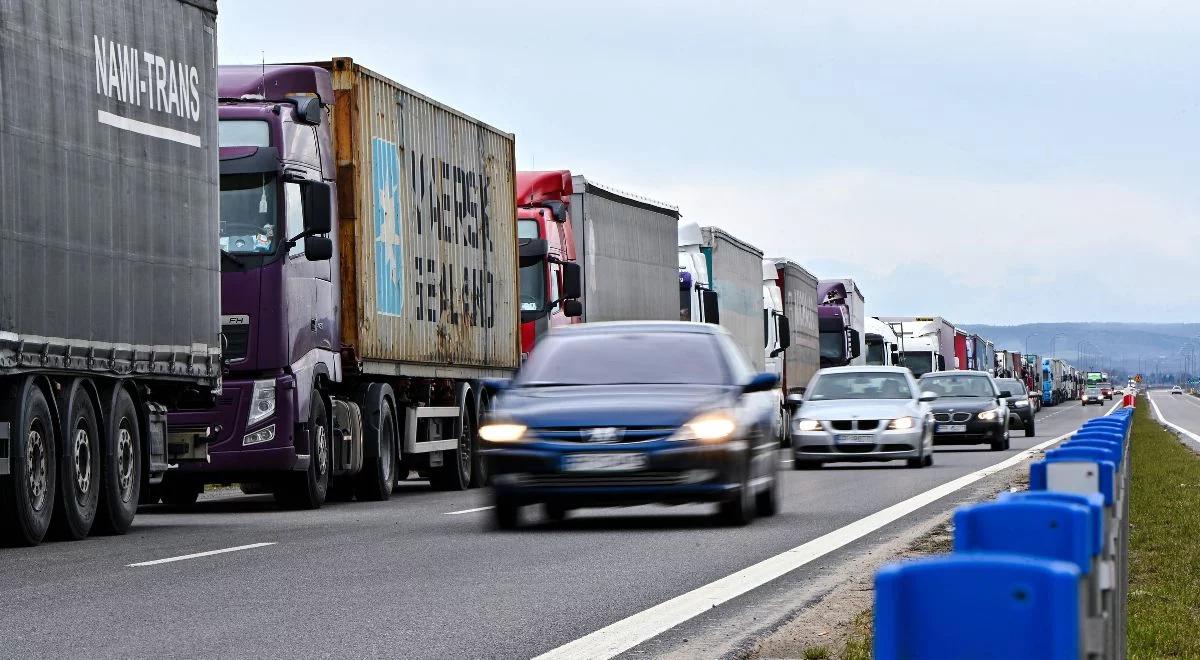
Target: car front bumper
{"type": "Point", "coordinates": [826, 446]}
{"type": "Point", "coordinates": [977, 431]}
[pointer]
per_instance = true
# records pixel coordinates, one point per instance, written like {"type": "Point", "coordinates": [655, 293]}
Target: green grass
{"type": "Point", "coordinates": [1164, 543]}
{"type": "Point", "coordinates": [858, 645]}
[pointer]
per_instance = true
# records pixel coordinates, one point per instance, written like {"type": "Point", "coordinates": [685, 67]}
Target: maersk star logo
{"type": "Point", "coordinates": [389, 236]}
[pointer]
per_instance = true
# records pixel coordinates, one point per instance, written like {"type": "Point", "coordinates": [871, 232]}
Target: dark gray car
{"type": "Point", "coordinates": [1019, 408]}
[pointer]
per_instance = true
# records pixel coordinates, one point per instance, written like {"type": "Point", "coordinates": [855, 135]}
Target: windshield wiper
{"type": "Point", "coordinates": [226, 255]}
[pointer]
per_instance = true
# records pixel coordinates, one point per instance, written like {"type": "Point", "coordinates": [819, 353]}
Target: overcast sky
{"type": "Point", "coordinates": [998, 162]}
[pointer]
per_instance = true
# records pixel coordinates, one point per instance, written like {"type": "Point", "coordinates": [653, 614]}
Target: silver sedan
{"type": "Point", "coordinates": [863, 414]}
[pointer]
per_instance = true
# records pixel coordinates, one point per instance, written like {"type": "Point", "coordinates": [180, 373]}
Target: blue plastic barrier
{"type": "Point", "coordinates": [1038, 528]}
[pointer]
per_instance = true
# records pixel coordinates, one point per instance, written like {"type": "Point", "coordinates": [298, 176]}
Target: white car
{"type": "Point", "coordinates": [1177, 390]}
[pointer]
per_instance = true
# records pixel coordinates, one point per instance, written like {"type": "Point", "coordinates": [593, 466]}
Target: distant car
{"type": "Point", "coordinates": [1106, 390]}
{"type": "Point", "coordinates": [614, 414]}
{"type": "Point", "coordinates": [1177, 390]}
{"type": "Point", "coordinates": [1091, 395]}
{"type": "Point", "coordinates": [1019, 406]}
{"type": "Point", "coordinates": [862, 414]}
{"type": "Point", "coordinates": [971, 408]}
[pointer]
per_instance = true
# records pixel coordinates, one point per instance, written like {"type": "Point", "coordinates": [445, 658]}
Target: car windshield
{"type": "Point", "coordinates": [248, 219]}
{"type": "Point", "coordinates": [1093, 391]}
{"type": "Point", "coordinates": [612, 358]}
{"type": "Point", "coordinates": [1011, 385]}
{"type": "Point", "coordinates": [860, 385]}
{"type": "Point", "coordinates": [959, 386]}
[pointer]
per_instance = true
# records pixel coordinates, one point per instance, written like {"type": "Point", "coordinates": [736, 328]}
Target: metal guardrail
{"type": "Point", "coordinates": [1038, 574]}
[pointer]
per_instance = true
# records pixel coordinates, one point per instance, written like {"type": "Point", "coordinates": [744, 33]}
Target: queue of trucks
{"type": "Point", "coordinates": [298, 278]}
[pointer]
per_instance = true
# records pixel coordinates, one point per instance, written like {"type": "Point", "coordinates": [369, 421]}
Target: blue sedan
{"type": "Point", "coordinates": [620, 414]}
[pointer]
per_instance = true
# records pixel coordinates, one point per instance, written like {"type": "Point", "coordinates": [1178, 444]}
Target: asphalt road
{"type": "Point", "coordinates": [1180, 410]}
{"type": "Point", "coordinates": [418, 577]}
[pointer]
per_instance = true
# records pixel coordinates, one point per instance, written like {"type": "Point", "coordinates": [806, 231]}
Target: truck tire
{"type": "Point", "coordinates": [307, 490]}
{"type": "Point", "coordinates": [180, 494]}
{"type": "Point", "coordinates": [121, 469]}
{"type": "Point", "coordinates": [79, 471]}
{"type": "Point", "coordinates": [455, 471]}
{"type": "Point", "coordinates": [378, 476]}
{"type": "Point", "coordinates": [27, 494]}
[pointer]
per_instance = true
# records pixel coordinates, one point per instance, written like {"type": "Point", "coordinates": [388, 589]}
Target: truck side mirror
{"type": "Point", "coordinates": [572, 275]}
{"type": "Point", "coordinates": [318, 248]}
{"type": "Point", "coordinates": [308, 109]}
{"type": "Point", "coordinates": [785, 332]}
{"type": "Point", "coordinates": [532, 250]}
{"type": "Point", "coordinates": [708, 301]}
{"type": "Point", "coordinates": [318, 208]}
{"type": "Point", "coordinates": [855, 343]}
{"type": "Point", "coordinates": [572, 308]}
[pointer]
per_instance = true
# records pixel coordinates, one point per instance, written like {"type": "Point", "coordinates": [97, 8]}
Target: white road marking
{"type": "Point", "coordinates": [207, 553]}
{"type": "Point", "coordinates": [627, 633]}
{"type": "Point", "coordinates": [1158, 413]}
{"type": "Point", "coordinates": [478, 508]}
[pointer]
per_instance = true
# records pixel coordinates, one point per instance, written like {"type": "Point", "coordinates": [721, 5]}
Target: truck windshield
{"type": "Point", "coordinates": [833, 346]}
{"type": "Point", "coordinates": [918, 362]}
{"type": "Point", "coordinates": [533, 287]}
{"type": "Point", "coordinates": [875, 352]}
{"type": "Point", "coordinates": [248, 218]}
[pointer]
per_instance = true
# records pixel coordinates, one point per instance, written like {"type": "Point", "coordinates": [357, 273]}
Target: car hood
{"type": "Point", "coordinates": [858, 409]}
{"type": "Point", "coordinates": [962, 404]}
{"type": "Point", "coordinates": [624, 406]}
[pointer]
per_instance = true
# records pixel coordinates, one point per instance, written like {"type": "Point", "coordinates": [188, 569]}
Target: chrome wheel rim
{"type": "Point", "coordinates": [37, 479]}
{"type": "Point", "coordinates": [83, 462]}
{"type": "Point", "coordinates": [125, 461]}
{"type": "Point", "coordinates": [322, 443]}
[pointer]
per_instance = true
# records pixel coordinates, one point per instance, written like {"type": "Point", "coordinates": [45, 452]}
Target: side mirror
{"type": "Point", "coordinates": [532, 250]}
{"type": "Point", "coordinates": [785, 332]}
{"type": "Point", "coordinates": [794, 401]}
{"type": "Point", "coordinates": [308, 109]}
{"type": "Point", "coordinates": [761, 382]}
{"type": "Point", "coordinates": [928, 397]}
{"type": "Point", "coordinates": [572, 276]}
{"type": "Point", "coordinates": [318, 208]}
{"type": "Point", "coordinates": [855, 343]}
{"type": "Point", "coordinates": [1004, 394]}
{"type": "Point", "coordinates": [572, 308]}
{"type": "Point", "coordinates": [708, 300]}
{"type": "Point", "coordinates": [318, 248]}
{"type": "Point", "coordinates": [494, 385]}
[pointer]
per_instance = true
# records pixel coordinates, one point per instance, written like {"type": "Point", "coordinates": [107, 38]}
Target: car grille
{"type": "Point", "coordinates": [603, 480]}
{"type": "Point", "coordinates": [603, 434]}
{"type": "Point", "coordinates": [854, 425]}
{"type": "Point", "coordinates": [237, 340]}
{"type": "Point", "coordinates": [853, 449]}
{"type": "Point", "coordinates": [948, 417]}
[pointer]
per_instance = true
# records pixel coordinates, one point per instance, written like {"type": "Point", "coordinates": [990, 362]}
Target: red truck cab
{"type": "Point", "coordinates": [550, 271]}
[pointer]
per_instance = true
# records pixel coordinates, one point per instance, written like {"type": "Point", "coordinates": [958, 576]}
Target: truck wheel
{"type": "Point", "coordinates": [78, 469]}
{"type": "Point", "coordinates": [121, 469]}
{"type": "Point", "coordinates": [378, 476]}
{"type": "Point", "coordinates": [27, 494]}
{"type": "Point", "coordinates": [455, 472]}
{"type": "Point", "coordinates": [308, 490]}
{"type": "Point", "coordinates": [180, 494]}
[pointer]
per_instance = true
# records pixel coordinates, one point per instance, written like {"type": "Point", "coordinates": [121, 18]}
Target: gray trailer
{"type": "Point", "coordinates": [627, 245]}
{"type": "Point", "coordinates": [735, 271]}
{"type": "Point", "coordinates": [109, 263]}
{"type": "Point", "coordinates": [803, 357]}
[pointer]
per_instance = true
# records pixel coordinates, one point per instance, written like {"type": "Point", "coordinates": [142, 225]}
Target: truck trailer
{"type": "Point", "coordinates": [370, 286]}
{"type": "Point", "coordinates": [110, 287]}
{"type": "Point", "coordinates": [792, 340]}
{"type": "Point", "coordinates": [720, 281]}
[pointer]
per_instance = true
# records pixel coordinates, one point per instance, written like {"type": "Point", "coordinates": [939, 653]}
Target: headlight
{"type": "Point", "coordinates": [1021, 403]}
{"type": "Point", "coordinates": [502, 432]}
{"type": "Point", "coordinates": [988, 415]}
{"type": "Point", "coordinates": [714, 426]}
{"type": "Point", "coordinates": [902, 424]}
{"type": "Point", "coordinates": [262, 401]}
{"type": "Point", "coordinates": [808, 425]}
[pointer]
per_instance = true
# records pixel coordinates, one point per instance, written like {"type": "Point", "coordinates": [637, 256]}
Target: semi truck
{"type": "Point", "coordinates": [370, 283]}
{"type": "Point", "coordinates": [961, 353]}
{"type": "Point", "coordinates": [926, 343]}
{"type": "Point", "coordinates": [1060, 381]}
{"type": "Point", "coordinates": [841, 316]}
{"type": "Point", "coordinates": [548, 255]}
{"type": "Point", "coordinates": [714, 264]}
{"type": "Point", "coordinates": [110, 287]}
{"type": "Point", "coordinates": [791, 338]}
{"type": "Point", "coordinates": [883, 346]}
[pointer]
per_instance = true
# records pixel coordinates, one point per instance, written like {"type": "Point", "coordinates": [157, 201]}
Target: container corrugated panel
{"type": "Point", "coordinates": [109, 257]}
{"type": "Point", "coordinates": [736, 272]}
{"type": "Point", "coordinates": [800, 306]}
{"type": "Point", "coordinates": [427, 208]}
{"type": "Point", "coordinates": [628, 247]}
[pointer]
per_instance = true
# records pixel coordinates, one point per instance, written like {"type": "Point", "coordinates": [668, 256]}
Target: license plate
{"type": "Point", "coordinates": [857, 438]}
{"type": "Point", "coordinates": [604, 462]}
{"type": "Point", "coordinates": [951, 428]}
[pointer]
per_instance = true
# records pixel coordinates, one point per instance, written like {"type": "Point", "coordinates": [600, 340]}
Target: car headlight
{"type": "Point", "coordinates": [902, 423]}
{"type": "Point", "coordinates": [988, 415]}
{"type": "Point", "coordinates": [262, 401]}
{"type": "Point", "coordinates": [1021, 403]}
{"type": "Point", "coordinates": [808, 425]}
{"type": "Point", "coordinates": [714, 426]}
{"type": "Point", "coordinates": [502, 432]}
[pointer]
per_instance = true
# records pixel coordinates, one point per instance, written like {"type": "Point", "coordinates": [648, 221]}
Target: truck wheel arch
{"type": "Point", "coordinates": [373, 397]}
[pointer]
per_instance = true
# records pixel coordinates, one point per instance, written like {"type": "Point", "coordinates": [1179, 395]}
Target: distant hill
{"type": "Point", "coordinates": [1119, 347]}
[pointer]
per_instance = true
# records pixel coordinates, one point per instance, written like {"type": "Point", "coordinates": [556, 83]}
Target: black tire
{"type": "Point", "coordinates": [1030, 428]}
{"type": "Point", "coordinates": [766, 502]}
{"type": "Point", "coordinates": [456, 469]}
{"type": "Point", "coordinates": [180, 494]}
{"type": "Point", "coordinates": [506, 514]}
{"type": "Point", "coordinates": [806, 465]}
{"type": "Point", "coordinates": [479, 471]}
{"type": "Point", "coordinates": [27, 494]}
{"type": "Point", "coordinates": [1000, 443]}
{"type": "Point", "coordinates": [555, 512]}
{"type": "Point", "coordinates": [929, 459]}
{"type": "Point", "coordinates": [307, 490]}
{"type": "Point", "coordinates": [79, 470]}
{"type": "Point", "coordinates": [914, 462]}
{"type": "Point", "coordinates": [121, 482]}
{"type": "Point", "coordinates": [341, 489]}
{"type": "Point", "coordinates": [738, 511]}
{"type": "Point", "coordinates": [378, 476]}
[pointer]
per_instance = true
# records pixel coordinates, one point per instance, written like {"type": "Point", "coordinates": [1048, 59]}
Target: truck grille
{"type": "Point", "coordinates": [948, 417]}
{"type": "Point", "coordinates": [237, 340]}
